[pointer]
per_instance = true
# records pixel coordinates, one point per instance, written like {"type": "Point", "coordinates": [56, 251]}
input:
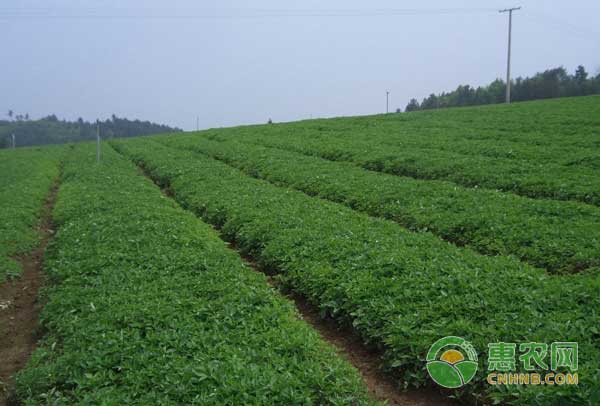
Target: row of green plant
{"type": "Point", "coordinates": [571, 123]}
{"type": "Point", "coordinates": [563, 132]}
{"type": "Point", "coordinates": [364, 133]}
{"type": "Point", "coordinates": [557, 157]}
{"type": "Point", "coordinates": [26, 176]}
{"type": "Point", "coordinates": [147, 306]}
{"type": "Point", "coordinates": [557, 143]}
{"type": "Point", "coordinates": [559, 154]}
{"type": "Point", "coordinates": [400, 290]}
{"type": "Point", "coordinates": [526, 178]}
{"type": "Point", "coordinates": [488, 221]}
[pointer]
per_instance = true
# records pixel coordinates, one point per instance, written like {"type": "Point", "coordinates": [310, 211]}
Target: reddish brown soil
{"type": "Point", "coordinates": [381, 386]}
{"type": "Point", "coordinates": [20, 307]}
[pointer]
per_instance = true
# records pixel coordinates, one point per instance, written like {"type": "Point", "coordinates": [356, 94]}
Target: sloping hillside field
{"type": "Point", "coordinates": [461, 246]}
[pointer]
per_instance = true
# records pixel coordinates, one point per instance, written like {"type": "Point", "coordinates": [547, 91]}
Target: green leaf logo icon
{"type": "Point", "coordinates": [452, 362]}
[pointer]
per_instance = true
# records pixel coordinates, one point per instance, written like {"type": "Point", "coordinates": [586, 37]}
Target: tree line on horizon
{"type": "Point", "coordinates": [551, 83]}
{"type": "Point", "coordinates": [51, 130]}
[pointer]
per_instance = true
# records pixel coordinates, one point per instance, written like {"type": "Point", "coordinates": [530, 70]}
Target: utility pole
{"type": "Point", "coordinates": [197, 123]}
{"type": "Point", "coordinates": [387, 102]}
{"type": "Point", "coordinates": [14, 142]}
{"type": "Point", "coordinates": [509, 11]}
{"type": "Point", "coordinates": [98, 141]}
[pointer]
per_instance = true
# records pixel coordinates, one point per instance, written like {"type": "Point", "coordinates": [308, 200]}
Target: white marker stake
{"type": "Point", "coordinates": [98, 141]}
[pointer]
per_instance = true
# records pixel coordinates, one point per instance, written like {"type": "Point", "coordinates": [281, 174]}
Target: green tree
{"type": "Point", "coordinates": [580, 75]}
{"type": "Point", "coordinates": [413, 105]}
{"type": "Point", "coordinates": [551, 83]}
{"type": "Point", "coordinates": [497, 91]}
{"type": "Point", "coordinates": [430, 102]}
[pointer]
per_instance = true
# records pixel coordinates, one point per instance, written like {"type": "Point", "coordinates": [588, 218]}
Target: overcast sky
{"type": "Point", "coordinates": [228, 62]}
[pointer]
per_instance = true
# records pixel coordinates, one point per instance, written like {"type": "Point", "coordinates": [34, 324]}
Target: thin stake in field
{"type": "Point", "coordinates": [98, 141]}
{"type": "Point", "coordinates": [387, 102]}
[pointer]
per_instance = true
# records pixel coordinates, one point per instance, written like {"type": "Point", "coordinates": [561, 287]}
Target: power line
{"type": "Point", "coordinates": [562, 23]}
{"type": "Point", "coordinates": [563, 26]}
{"type": "Point", "coordinates": [92, 13]}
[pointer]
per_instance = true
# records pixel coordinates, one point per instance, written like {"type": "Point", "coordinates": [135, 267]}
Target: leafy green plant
{"type": "Point", "coordinates": [542, 149]}
{"type": "Point", "coordinates": [27, 175]}
{"type": "Point", "coordinates": [148, 306]}
{"type": "Point", "coordinates": [488, 221]}
{"type": "Point", "coordinates": [399, 289]}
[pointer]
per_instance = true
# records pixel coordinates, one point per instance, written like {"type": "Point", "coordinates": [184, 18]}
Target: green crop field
{"type": "Point", "coordinates": [26, 177]}
{"type": "Point", "coordinates": [481, 223]}
{"type": "Point", "coordinates": [149, 307]}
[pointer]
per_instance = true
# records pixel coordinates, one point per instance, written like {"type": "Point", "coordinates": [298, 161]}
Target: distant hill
{"type": "Point", "coordinates": [550, 84]}
{"type": "Point", "coordinates": [51, 130]}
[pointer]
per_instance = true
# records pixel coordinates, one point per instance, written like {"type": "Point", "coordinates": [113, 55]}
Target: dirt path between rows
{"type": "Point", "coordinates": [347, 343]}
{"type": "Point", "coordinates": [381, 386]}
{"type": "Point", "coordinates": [20, 307]}
{"type": "Point", "coordinates": [368, 362]}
